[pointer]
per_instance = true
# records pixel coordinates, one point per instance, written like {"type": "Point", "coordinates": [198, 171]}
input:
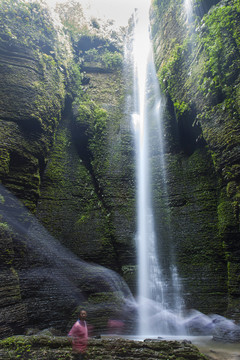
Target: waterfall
{"type": "Point", "coordinates": [159, 290]}
{"type": "Point", "coordinates": [188, 10]}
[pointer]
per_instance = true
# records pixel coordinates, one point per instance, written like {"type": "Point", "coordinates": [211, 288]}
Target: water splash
{"type": "Point", "coordinates": [53, 275]}
{"type": "Point", "coordinates": [188, 7]}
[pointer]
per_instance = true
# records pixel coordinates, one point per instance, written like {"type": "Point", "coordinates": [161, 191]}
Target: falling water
{"type": "Point", "coordinates": [188, 9]}
{"type": "Point", "coordinates": [156, 315]}
{"type": "Point", "coordinates": [54, 275]}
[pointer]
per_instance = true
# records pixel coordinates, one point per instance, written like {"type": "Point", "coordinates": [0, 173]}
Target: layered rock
{"type": "Point", "coordinates": [88, 179]}
{"type": "Point", "coordinates": [67, 168]}
{"type": "Point", "coordinates": [32, 95]}
{"type": "Point", "coordinates": [67, 153]}
{"type": "Point", "coordinates": [53, 347]}
{"type": "Point", "coordinates": [198, 68]}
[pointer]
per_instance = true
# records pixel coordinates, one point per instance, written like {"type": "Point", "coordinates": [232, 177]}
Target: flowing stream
{"type": "Point", "coordinates": [159, 296]}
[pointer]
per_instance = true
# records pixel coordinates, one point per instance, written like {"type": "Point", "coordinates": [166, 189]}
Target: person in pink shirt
{"type": "Point", "coordinates": [79, 336]}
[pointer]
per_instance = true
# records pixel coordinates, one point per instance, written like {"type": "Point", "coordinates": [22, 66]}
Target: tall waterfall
{"type": "Point", "coordinates": [158, 288]}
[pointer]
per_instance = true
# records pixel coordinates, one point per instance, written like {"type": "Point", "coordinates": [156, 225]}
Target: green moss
{"type": "Point", "coordinates": [226, 219]}
{"type": "Point", "coordinates": [173, 65]}
{"type": "Point", "coordinates": [4, 162]}
{"type": "Point", "coordinates": [220, 69]}
{"type": "Point", "coordinates": [104, 298]}
{"type": "Point", "coordinates": [181, 107]}
{"type": "Point", "coordinates": [32, 24]}
{"type": "Point", "coordinates": [18, 347]}
{"type": "Point", "coordinates": [109, 59]}
{"type": "Point", "coordinates": [56, 166]}
{"type": "Point", "coordinates": [234, 279]}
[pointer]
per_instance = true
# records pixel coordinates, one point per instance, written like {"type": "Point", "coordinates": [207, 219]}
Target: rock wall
{"type": "Point", "coordinates": [44, 345]}
{"type": "Point", "coordinates": [89, 182]}
{"type": "Point", "coordinates": [197, 61]}
{"type": "Point", "coordinates": [32, 96]}
{"type": "Point", "coordinates": [65, 154]}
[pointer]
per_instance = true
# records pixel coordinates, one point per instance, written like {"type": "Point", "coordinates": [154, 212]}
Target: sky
{"type": "Point", "coordinates": [118, 10]}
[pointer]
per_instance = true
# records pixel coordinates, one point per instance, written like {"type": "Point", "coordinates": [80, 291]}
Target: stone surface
{"type": "Point", "coordinates": [84, 202]}
{"type": "Point", "coordinates": [58, 348]}
{"type": "Point", "coordinates": [67, 152]}
{"type": "Point", "coordinates": [198, 68]}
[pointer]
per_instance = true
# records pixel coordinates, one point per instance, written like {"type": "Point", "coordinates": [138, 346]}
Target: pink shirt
{"type": "Point", "coordinates": [79, 334]}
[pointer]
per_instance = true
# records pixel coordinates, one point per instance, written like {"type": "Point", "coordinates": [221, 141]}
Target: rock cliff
{"type": "Point", "coordinates": [197, 60]}
{"type": "Point", "coordinates": [65, 148]}
{"type": "Point", "coordinates": [67, 155]}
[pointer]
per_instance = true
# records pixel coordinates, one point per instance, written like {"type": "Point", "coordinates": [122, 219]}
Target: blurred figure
{"type": "Point", "coordinates": [115, 327]}
{"type": "Point", "coordinates": [79, 336]}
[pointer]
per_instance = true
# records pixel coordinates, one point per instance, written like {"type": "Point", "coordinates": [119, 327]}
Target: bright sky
{"type": "Point", "coordinates": [118, 10]}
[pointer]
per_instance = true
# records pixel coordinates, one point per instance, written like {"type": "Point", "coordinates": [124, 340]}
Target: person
{"type": "Point", "coordinates": [79, 336]}
{"type": "Point", "coordinates": [115, 327]}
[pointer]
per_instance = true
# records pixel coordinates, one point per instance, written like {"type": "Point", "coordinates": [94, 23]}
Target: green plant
{"type": "Point", "coordinates": [112, 59]}
{"type": "Point", "coordinates": [32, 23]}
{"type": "Point", "coordinates": [17, 347]}
{"type": "Point", "coordinates": [72, 17]}
{"type": "Point", "coordinates": [92, 55]}
{"type": "Point", "coordinates": [219, 25]}
{"type": "Point", "coordinates": [181, 107]}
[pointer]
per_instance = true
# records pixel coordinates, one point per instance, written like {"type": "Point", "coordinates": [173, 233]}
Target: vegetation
{"type": "Point", "coordinates": [73, 19]}
{"type": "Point", "coordinates": [50, 347]}
{"type": "Point", "coordinates": [32, 25]}
{"type": "Point", "coordinates": [109, 59]}
{"type": "Point", "coordinates": [223, 63]}
{"type": "Point", "coordinates": [198, 70]}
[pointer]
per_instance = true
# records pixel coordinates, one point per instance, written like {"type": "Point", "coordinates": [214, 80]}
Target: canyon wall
{"type": "Point", "coordinates": [197, 62]}
{"type": "Point", "coordinates": [65, 150]}
{"type": "Point", "coordinates": [67, 155]}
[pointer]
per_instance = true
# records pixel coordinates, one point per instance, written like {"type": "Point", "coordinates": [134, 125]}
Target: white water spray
{"type": "Point", "coordinates": [188, 9]}
{"type": "Point", "coordinates": [156, 315]}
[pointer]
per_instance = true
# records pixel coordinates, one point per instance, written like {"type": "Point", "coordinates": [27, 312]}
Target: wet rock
{"type": "Point", "coordinates": [203, 122]}
{"type": "Point", "coordinates": [226, 331]}
{"type": "Point", "coordinates": [111, 349]}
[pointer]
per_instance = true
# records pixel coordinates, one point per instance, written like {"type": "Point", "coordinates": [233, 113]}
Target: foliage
{"type": "Point", "coordinates": [94, 120]}
{"type": "Point", "coordinates": [222, 66]}
{"type": "Point", "coordinates": [91, 55]}
{"type": "Point", "coordinates": [72, 17]}
{"type": "Point", "coordinates": [172, 66]}
{"type": "Point", "coordinates": [28, 23]}
{"type": "Point", "coordinates": [19, 346]}
{"type": "Point", "coordinates": [74, 77]}
{"type": "Point", "coordinates": [181, 107]}
{"type": "Point", "coordinates": [109, 59]}
{"type": "Point", "coordinates": [95, 23]}
{"type": "Point", "coordinates": [160, 5]}
{"type": "Point", "coordinates": [4, 226]}
{"type": "Point", "coordinates": [112, 59]}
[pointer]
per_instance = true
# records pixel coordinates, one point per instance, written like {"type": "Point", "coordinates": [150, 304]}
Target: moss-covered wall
{"type": "Point", "coordinates": [32, 95]}
{"type": "Point", "coordinates": [90, 172]}
{"type": "Point", "coordinates": [197, 60]}
{"type": "Point", "coordinates": [66, 153]}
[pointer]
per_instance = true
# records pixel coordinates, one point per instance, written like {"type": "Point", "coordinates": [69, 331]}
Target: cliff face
{"type": "Point", "coordinates": [32, 95]}
{"type": "Point", "coordinates": [198, 68]}
{"type": "Point", "coordinates": [65, 149]}
{"type": "Point", "coordinates": [67, 153]}
{"type": "Point", "coordinates": [88, 180]}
